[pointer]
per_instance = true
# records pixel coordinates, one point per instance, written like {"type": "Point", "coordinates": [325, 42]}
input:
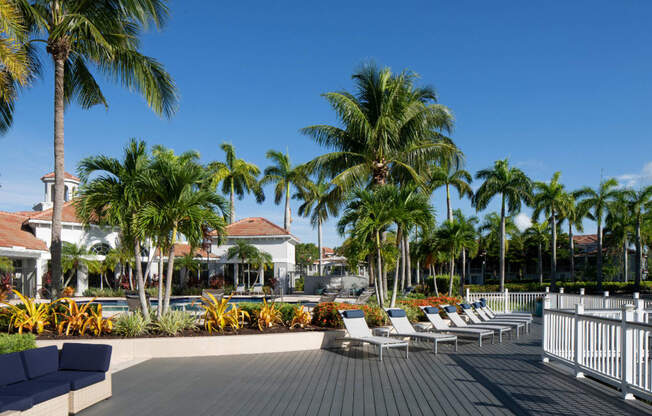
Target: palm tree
{"type": "Point", "coordinates": [469, 224]}
{"type": "Point", "coordinates": [453, 237]}
{"type": "Point", "coordinates": [389, 125]}
{"type": "Point", "coordinates": [595, 202]}
{"type": "Point", "coordinates": [320, 201]}
{"type": "Point", "coordinates": [187, 263]}
{"type": "Point", "coordinates": [242, 251]}
{"type": "Point", "coordinates": [367, 215]}
{"type": "Point", "coordinates": [76, 257]}
{"type": "Point", "coordinates": [237, 177]}
{"type": "Point", "coordinates": [574, 216]}
{"type": "Point", "coordinates": [284, 175]}
{"type": "Point", "coordinates": [537, 234]}
{"type": "Point", "coordinates": [639, 202]}
{"type": "Point", "coordinates": [180, 201]}
{"type": "Point", "coordinates": [262, 260]}
{"type": "Point", "coordinates": [447, 175]}
{"type": "Point", "coordinates": [80, 35]}
{"type": "Point", "coordinates": [513, 187]}
{"type": "Point", "coordinates": [552, 200]}
{"type": "Point", "coordinates": [620, 225]}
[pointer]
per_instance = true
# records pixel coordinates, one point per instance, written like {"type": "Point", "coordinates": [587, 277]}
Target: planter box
{"type": "Point", "coordinates": [134, 349]}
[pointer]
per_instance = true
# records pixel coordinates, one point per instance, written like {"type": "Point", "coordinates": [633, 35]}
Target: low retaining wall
{"type": "Point", "coordinates": [139, 349]}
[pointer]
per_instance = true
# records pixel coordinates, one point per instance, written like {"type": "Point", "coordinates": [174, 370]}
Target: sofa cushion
{"type": "Point", "coordinates": [40, 361]}
{"type": "Point", "coordinates": [39, 391]}
{"type": "Point", "coordinates": [353, 313]}
{"type": "Point", "coordinates": [77, 379]}
{"type": "Point", "coordinates": [12, 368]}
{"type": "Point", "coordinates": [15, 403]}
{"type": "Point", "coordinates": [85, 357]}
{"type": "Point", "coordinates": [450, 309]}
{"type": "Point", "coordinates": [431, 310]}
{"type": "Point", "coordinates": [465, 305]}
{"type": "Point", "coordinates": [396, 313]}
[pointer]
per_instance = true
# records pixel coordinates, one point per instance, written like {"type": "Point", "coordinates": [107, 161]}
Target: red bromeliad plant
{"type": "Point", "coordinates": [326, 315]}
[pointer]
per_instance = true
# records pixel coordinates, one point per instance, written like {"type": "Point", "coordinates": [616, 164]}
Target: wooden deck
{"type": "Point", "coordinates": [498, 379]}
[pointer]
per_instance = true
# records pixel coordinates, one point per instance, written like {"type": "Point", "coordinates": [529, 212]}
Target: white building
{"type": "Point", "coordinates": [25, 238]}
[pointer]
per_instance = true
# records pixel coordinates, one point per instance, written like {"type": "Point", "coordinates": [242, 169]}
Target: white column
{"type": "Point", "coordinates": [261, 273]}
{"type": "Point", "coordinates": [579, 335]}
{"type": "Point", "coordinates": [82, 280]}
{"type": "Point", "coordinates": [627, 352]}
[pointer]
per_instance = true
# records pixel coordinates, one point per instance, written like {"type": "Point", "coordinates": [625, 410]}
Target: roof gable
{"type": "Point", "coordinates": [255, 226]}
{"type": "Point", "coordinates": [69, 214]}
{"type": "Point", "coordinates": [66, 175]}
{"type": "Point", "coordinates": [15, 233]}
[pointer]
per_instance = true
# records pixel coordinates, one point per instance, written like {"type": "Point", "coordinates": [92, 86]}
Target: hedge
{"type": "Point", "coordinates": [16, 342]}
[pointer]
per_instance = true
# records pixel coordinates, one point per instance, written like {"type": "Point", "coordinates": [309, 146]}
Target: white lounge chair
{"type": "Point", "coordinates": [494, 314]}
{"type": "Point", "coordinates": [477, 306]}
{"type": "Point", "coordinates": [451, 312]}
{"type": "Point", "coordinates": [358, 330]}
{"type": "Point", "coordinates": [240, 290]}
{"type": "Point", "coordinates": [257, 289]}
{"type": "Point", "coordinates": [439, 325]}
{"type": "Point", "coordinates": [404, 329]}
{"type": "Point", "coordinates": [476, 320]}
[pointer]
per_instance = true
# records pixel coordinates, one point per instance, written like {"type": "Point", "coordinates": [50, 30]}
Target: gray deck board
{"type": "Point", "coordinates": [498, 379]}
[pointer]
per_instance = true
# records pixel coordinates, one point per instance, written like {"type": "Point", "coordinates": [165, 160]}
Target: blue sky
{"type": "Point", "coordinates": [552, 85]}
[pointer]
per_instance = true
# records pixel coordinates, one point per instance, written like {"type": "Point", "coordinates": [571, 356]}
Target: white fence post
{"type": "Point", "coordinates": [582, 293]}
{"type": "Point", "coordinates": [560, 298]}
{"type": "Point", "coordinates": [639, 313]}
{"type": "Point", "coordinates": [627, 351]}
{"type": "Point", "coordinates": [546, 305]}
{"type": "Point", "coordinates": [605, 300]}
{"type": "Point", "coordinates": [579, 336]}
{"type": "Point", "coordinates": [506, 304]}
{"type": "Point", "coordinates": [468, 294]}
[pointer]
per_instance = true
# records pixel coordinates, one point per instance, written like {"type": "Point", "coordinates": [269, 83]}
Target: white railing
{"type": "Point", "coordinates": [611, 345]}
{"type": "Point", "coordinates": [507, 301]}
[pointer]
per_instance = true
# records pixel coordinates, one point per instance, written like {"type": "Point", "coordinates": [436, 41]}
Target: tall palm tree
{"type": "Point", "coordinates": [469, 224]}
{"type": "Point", "coordinates": [537, 234]}
{"type": "Point", "coordinates": [244, 252]}
{"type": "Point", "coordinates": [180, 201]}
{"type": "Point", "coordinates": [554, 202]}
{"type": "Point", "coordinates": [320, 201]}
{"type": "Point", "coordinates": [513, 187]}
{"type": "Point", "coordinates": [594, 202]}
{"type": "Point", "coordinates": [116, 197]}
{"type": "Point", "coordinates": [447, 175]}
{"type": "Point", "coordinates": [388, 124]}
{"type": "Point", "coordinates": [81, 35]}
{"type": "Point", "coordinates": [237, 177]}
{"type": "Point", "coordinates": [367, 215]}
{"type": "Point", "coordinates": [620, 225]}
{"type": "Point", "coordinates": [574, 217]}
{"type": "Point", "coordinates": [284, 175]}
{"type": "Point", "coordinates": [639, 202]}
{"type": "Point", "coordinates": [453, 237]}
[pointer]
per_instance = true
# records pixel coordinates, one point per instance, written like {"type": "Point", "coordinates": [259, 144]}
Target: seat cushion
{"type": "Point", "coordinates": [450, 309]}
{"type": "Point", "coordinates": [12, 367]}
{"type": "Point", "coordinates": [396, 313]}
{"type": "Point", "coordinates": [15, 403]}
{"type": "Point", "coordinates": [77, 379]}
{"type": "Point", "coordinates": [39, 391]}
{"type": "Point", "coordinates": [85, 357]}
{"type": "Point", "coordinates": [353, 313]}
{"type": "Point", "coordinates": [40, 361]}
{"type": "Point", "coordinates": [465, 305]}
{"type": "Point", "coordinates": [431, 310]}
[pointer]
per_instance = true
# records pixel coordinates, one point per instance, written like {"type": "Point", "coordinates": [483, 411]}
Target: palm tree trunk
{"type": "Point", "coordinates": [232, 214]}
{"type": "Point", "coordinates": [370, 262]}
{"type": "Point", "coordinates": [131, 278]}
{"type": "Point", "coordinates": [418, 272]}
{"type": "Point", "coordinates": [625, 260]}
{"type": "Point", "coordinates": [540, 264]}
{"type": "Point", "coordinates": [449, 207]}
{"type": "Point", "coordinates": [379, 272]}
{"type": "Point", "coordinates": [403, 264]}
{"type": "Point", "coordinates": [59, 170]}
{"type": "Point", "coordinates": [287, 218]}
{"type": "Point", "coordinates": [319, 236]}
{"type": "Point", "coordinates": [395, 288]}
{"type": "Point", "coordinates": [639, 256]}
{"type": "Point", "coordinates": [434, 279]}
{"type": "Point", "coordinates": [451, 272]}
{"type": "Point", "coordinates": [502, 245]}
{"type": "Point", "coordinates": [159, 307]}
{"type": "Point", "coordinates": [553, 249]}
{"type": "Point", "coordinates": [463, 276]}
{"type": "Point", "coordinates": [599, 260]}
{"type": "Point", "coordinates": [408, 260]}
{"type": "Point", "coordinates": [168, 279]}
{"type": "Point", "coordinates": [139, 279]}
{"type": "Point", "coordinates": [571, 244]}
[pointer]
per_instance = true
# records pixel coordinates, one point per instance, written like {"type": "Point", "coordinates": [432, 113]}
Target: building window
{"type": "Point", "coordinates": [101, 249]}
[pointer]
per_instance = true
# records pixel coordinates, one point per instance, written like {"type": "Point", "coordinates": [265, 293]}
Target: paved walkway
{"type": "Point", "coordinates": [499, 379]}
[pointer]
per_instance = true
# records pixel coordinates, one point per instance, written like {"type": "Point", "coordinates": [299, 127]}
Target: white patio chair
{"type": "Point", "coordinates": [404, 329]}
{"type": "Point", "coordinates": [358, 331]}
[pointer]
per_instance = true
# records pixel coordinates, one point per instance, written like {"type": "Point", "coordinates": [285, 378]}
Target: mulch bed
{"type": "Point", "coordinates": [49, 335]}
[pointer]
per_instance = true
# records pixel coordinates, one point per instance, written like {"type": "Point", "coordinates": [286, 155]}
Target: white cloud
{"type": "Point", "coordinates": [631, 180]}
{"type": "Point", "coordinates": [522, 221]}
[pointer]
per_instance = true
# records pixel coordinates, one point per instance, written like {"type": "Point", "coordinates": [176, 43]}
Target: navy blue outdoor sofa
{"type": "Point", "coordinates": [46, 381]}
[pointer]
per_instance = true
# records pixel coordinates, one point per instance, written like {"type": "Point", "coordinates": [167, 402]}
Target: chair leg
{"type": "Point", "coordinates": [380, 352]}
{"type": "Point", "coordinates": [456, 343]}
{"type": "Point", "coordinates": [435, 346]}
{"type": "Point", "coordinates": [407, 346]}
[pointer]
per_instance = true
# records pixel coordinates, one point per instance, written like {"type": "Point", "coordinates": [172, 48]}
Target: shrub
{"type": "Point", "coordinates": [326, 315]}
{"type": "Point", "coordinates": [173, 322]}
{"type": "Point", "coordinates": [301, 317]}
{"type": "Point", "coordinates": [442, 283]}
{"type": "Point", "coordinates": [219, 314]}
{"type": "Point", "coordinates": [68, 291]}
{"type": "Point", "coordinates": [268, 315]}
{"type": "Point", "coordinates": [73, 316]}
{"type": "Point", "coordinates": [97, 323]}
{"type": "Point", "coordinates": [298, 284]}
{"type": "Point", "coordinates": [16, 342]}
{"type": "Point", "coordinates": [132, 324]}
{"type": "Point", "coordinates": [31, 315]}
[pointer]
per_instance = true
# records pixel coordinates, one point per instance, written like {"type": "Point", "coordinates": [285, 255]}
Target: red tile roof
{"type": "Point", "coordinates": [14, 232]}
{"type": "Point", "coordinates": [254, 226]}
{"type": "Point", "coordinates": [69, 214]}
{"type": "Point", "coordinates": [181, 249]}
{"type": "Point", "coordinates": [587, 239]}
{"type": "Point", "coordinates": [66, 175]}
